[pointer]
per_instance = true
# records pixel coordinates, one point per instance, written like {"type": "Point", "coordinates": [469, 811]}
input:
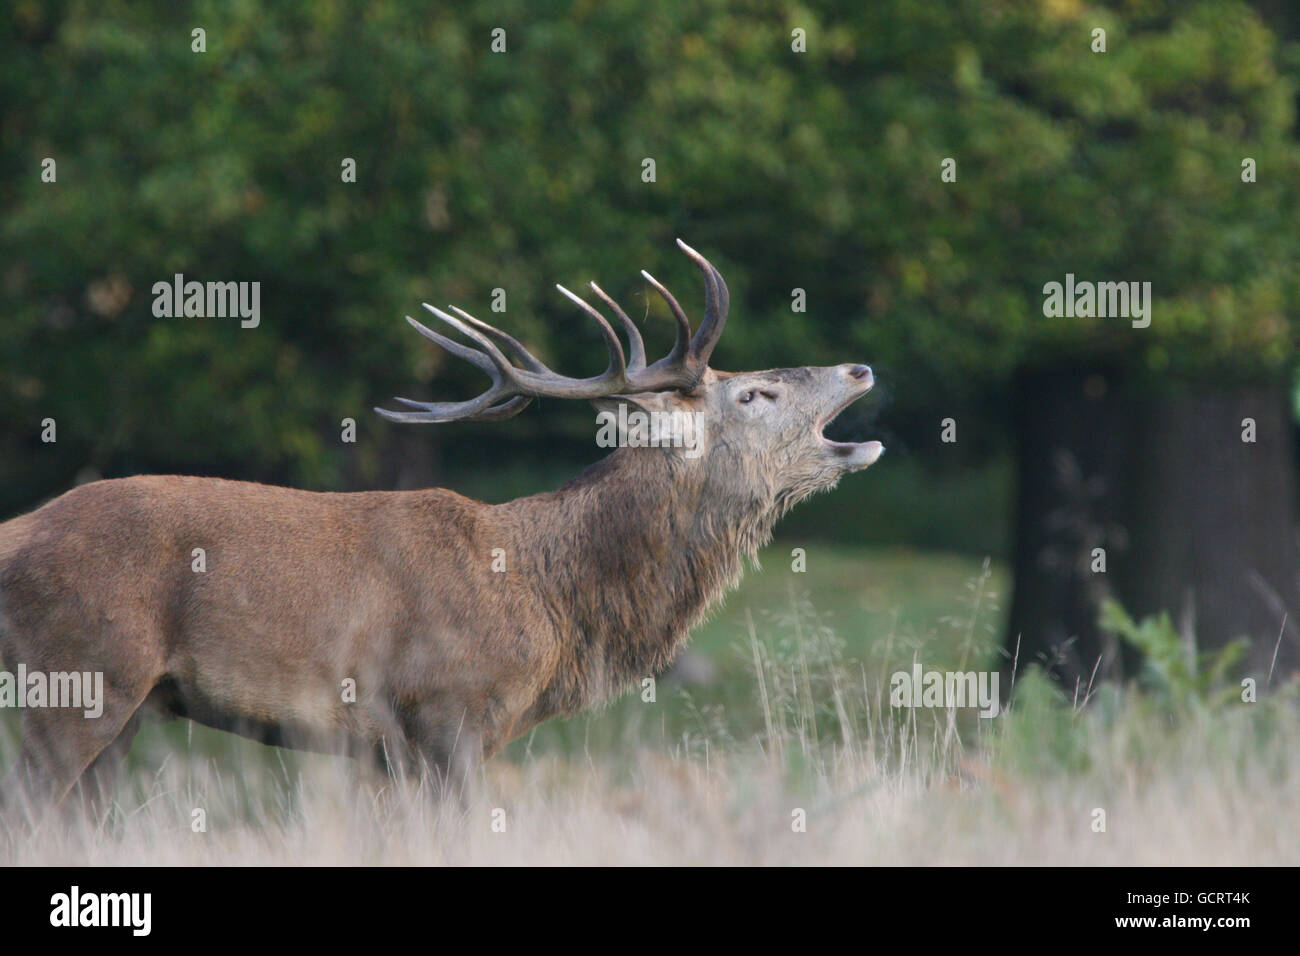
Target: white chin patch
{"type": "Point", "coordinates": [858, 455]}
{"type": "Point", "coordinates": [869, 451]}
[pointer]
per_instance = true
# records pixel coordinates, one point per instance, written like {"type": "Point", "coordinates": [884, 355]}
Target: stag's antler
{"type": "Point", "coordinates": [515, 385]}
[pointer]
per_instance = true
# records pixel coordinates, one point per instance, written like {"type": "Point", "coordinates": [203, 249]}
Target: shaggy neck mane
{"type": "Point", "coordinates": [634, 552]}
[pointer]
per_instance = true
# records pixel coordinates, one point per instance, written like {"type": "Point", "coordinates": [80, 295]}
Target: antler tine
{"type": "Point", "coordinates": [724, 294]}
{"type": "Point", "coordinates": [516, 349]}
{"type": "Point", "coordinates": [681, 345]}
{"type": "Point", "coordinates": [716, 302]}
{"type": "Point", "coordinates": [436, 412]}
{"type": "Point", "coordinates": [450, 411]}
{"type": "Point", "coordinates": [506, 409]}
{"type": "Point", "coordinates": [473, 356]}
{"type": "Point", "coordinates": [636, 361]}
{"type": "Point", "coordinates": [617, 360]}
{"type": "Point", "coordinates": [503, 371]}
{"type": "Point", "coordinates": [478, 409]}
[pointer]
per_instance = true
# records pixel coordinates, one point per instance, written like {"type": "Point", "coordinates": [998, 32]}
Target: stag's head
{"type": "Point", "coordinates": [754, 435]}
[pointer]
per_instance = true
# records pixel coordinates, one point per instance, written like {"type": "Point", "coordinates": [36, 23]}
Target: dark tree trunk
{"type": "Point", "coordinates": [1212, 523]}
{"type": "Point", "coordinates": [1191, 519]}
{"type": "Point", "coordinates": [1071, 462]}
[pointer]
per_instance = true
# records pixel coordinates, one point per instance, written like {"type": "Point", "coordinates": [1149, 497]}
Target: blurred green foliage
{"type": "Point", "coordinates": [478, 170]}
{"type": "Point", "coordinates": [1173, 669]}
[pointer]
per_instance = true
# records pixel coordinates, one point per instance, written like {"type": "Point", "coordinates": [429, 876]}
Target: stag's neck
{"type": "Point", "coordinates": [628, 557]}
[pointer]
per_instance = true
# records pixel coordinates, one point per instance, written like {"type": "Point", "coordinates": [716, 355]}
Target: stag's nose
{"type": "Point", "coordinates": [861, 372]}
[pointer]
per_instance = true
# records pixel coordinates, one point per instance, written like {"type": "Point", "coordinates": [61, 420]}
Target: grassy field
{"type": "Point", "coordinates": [788, 753]}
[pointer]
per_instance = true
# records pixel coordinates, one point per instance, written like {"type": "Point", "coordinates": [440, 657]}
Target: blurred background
{"type": "Point", "coordinates": [800, 147]}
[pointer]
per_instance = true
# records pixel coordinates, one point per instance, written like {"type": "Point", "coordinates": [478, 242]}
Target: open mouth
{"type": "Point", "coordinates": [863, 453]}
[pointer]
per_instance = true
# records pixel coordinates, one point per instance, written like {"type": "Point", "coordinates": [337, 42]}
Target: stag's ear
{"type": "Point", "coordinates": [642, 401]}
{"type": "Point", "coordinates": [648, 418]}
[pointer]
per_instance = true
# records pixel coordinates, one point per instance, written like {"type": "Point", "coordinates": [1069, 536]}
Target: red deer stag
{"type": "Point", "coordinates": [460, 625]}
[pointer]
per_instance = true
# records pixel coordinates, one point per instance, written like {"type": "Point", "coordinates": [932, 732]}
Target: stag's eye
{"type": "Point", "coordinates": [746, 397]}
